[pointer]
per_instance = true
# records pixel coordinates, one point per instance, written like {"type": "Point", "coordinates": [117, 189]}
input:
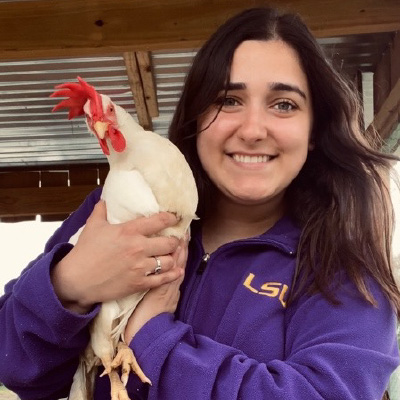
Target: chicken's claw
{"type": "Point", "coordinates": [127, 361]}
{"type": "Point", "coordinates": [118, 391]}
{"type": "Point", "coordinates": [106, 361]}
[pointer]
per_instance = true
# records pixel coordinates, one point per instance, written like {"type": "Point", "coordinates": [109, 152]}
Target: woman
{"type": "Point", "coordinates": [288, 292]}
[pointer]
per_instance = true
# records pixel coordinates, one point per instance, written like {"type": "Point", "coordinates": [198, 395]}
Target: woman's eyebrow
{"type": "Point", "coordinates": [235, 86]}
{"type": "Point", "coordinates": [285, 87]}
{"type": "Point", "coordinates": [275, 86]}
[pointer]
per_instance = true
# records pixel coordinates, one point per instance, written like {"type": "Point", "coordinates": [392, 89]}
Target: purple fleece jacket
{"type": "Point", "coordinates": [233, 336]}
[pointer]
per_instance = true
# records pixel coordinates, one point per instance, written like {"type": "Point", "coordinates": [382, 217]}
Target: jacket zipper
{"type": "Point", "coordinates": [193, 297]}
{"type": "Point", "coordinates": [203, 264]}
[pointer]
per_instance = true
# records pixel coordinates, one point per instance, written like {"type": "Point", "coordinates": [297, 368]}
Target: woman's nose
{"type": "Point", "coordinates": [253, 127]}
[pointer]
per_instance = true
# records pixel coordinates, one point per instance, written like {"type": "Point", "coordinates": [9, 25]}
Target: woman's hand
{"type": "Point", "coordinates": [111, 261]}
{"type": "Point", "coordinates": [161, 299]}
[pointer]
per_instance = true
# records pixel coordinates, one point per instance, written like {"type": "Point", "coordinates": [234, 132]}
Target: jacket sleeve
{"type": "Point", "coordinates": [39, 339]}
{"type": "Point", "coordinates": [344, 352]}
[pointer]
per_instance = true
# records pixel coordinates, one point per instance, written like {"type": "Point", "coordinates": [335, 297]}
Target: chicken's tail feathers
{"type": "Point", "coordinates": [77, 95]}
{"type": "Point", "coordinates": [126, 312]}
{"type": "Point", "coordinates": [83, 381]}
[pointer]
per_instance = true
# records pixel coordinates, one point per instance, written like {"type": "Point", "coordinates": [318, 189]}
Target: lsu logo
{"type": "Point", "coordinates": [270, 289]}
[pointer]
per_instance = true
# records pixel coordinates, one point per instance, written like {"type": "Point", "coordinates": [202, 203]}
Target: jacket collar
{"type": "Point", "coordinates": [285, 234]}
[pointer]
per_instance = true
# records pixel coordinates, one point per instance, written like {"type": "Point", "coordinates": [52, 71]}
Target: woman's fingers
{"type": "Point", "coordinates": [99, 211]}
{"type": "Point", "coordinates": [148, 226]}
{"type": "Point", "coordinates": [165, 292]}
{"type": "Point", "coordinates": [170, 276]}
{"type": "Point", "coordinates": [164, 264]}
{"type": "Point", "coordinates": [160, 245]}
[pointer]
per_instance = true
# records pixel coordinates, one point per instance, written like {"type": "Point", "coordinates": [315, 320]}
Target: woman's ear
{"type": "Point", "coordinates": [311, 146]}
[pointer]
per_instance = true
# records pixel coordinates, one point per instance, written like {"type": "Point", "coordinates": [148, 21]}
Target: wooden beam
{"type": "Point", "coordinates": [59, 28]}
{"type": "Point", "coordinates": [382, 81]}
{"type": "Point", "coordinates": [135, 82]}
{"type": "Point", "coordinates": [47, 200]}
{"type": "Point", "coordinates": [387, 90]}
{"type": "Point", "coordinates": [359, 85]}
{"type": "Point", "coordinates": [395, 59]}
{"type": "Point", "coordinates": [388, 116]}
{"type": "Point", "coordinates": [148, 82]}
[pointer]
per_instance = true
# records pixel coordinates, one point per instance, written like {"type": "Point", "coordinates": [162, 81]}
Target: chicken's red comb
{"type": "Point", "coordinates": [77, 95]}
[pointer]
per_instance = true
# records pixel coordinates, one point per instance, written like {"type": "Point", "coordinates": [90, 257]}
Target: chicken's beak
{"type": "Point", "coordinates": [101, 128]}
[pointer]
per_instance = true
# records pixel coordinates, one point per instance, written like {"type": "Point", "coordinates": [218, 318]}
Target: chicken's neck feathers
{"type": "Point", "coordinates": [133, 134]}
{"type": "Point", "coordinates": [143, 148]}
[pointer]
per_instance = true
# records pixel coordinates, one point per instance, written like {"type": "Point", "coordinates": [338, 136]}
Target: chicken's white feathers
{"type": "Point", "coordinates": [124, 204]}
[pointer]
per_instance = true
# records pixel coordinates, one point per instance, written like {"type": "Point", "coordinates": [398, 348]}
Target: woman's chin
{"type": "Point", "coordinates": [253, 199]}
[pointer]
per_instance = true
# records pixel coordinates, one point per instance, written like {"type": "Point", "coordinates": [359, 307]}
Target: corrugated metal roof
{"type": "Point", "coordinates": [31, 135]}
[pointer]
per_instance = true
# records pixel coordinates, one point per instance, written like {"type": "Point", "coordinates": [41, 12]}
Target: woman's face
{"type": "Point", "coordinates": [260, 139]}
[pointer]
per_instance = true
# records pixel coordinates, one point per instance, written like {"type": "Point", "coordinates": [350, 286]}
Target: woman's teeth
{"type": "Point", "coordinates": [251, 159]}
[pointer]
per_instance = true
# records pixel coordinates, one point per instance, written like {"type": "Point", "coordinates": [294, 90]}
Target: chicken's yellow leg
{"type": "Point", "coordinates": [106, 361]}
{"type": "Point", "coordinates": [118, 391]}
{"type": "Point", "coordinates": [127, 360]}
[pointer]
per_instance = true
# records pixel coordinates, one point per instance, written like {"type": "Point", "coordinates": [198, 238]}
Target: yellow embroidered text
{"type": "Point", "coordinates": [270, 289]}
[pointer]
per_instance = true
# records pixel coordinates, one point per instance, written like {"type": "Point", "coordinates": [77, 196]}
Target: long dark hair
{"type": "Point", "coordinates": [339, 197]}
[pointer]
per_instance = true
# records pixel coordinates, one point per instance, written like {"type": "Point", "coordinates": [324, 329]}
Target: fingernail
{"type": "Point", "coordinates": [181, 258]}
{"type": "Point", "coordinates": [178, 251]}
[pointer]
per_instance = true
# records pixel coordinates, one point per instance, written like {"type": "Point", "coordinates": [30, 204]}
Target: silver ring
{"type": "Point", "coordinates": [158, 268]}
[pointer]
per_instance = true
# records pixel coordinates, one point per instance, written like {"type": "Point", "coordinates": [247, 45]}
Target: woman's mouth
{"type": "Point", "coordinates": [251, 159]}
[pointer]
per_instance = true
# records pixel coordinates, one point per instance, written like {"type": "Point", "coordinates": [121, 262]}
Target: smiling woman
{"type": "Point", "coordinates": [255, 139]}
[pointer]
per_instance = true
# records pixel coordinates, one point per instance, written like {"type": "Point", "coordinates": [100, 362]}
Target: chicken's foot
{"type": "Point", "coordinates": [118, 391]}
{"type": "Point", "coordinates": [127, 360]}
{"type": "Point", "coordinates": [106, 361]}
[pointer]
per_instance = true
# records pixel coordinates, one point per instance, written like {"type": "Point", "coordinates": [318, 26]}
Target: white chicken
{"type": "Point", "coordinates": [148, 174]}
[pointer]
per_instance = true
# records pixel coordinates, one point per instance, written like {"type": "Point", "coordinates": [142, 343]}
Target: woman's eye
{"type": "Point", "coordinates": [230, 102]}
{"type": "Point", "coordinates": [285, 106]}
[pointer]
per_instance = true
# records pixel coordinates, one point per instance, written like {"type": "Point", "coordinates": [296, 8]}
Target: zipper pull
{"type": "Point", "coordinates": [203, 264]}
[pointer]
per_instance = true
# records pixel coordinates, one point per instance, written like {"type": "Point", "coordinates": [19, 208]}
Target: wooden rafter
{"type": "Point", "coordinates": [148, 82]}
{"type": "Point", "coordinates": [135, 82]}
{"type": "Point", "coordinates": [387, 90]}
{"type": "Point", "coordinates": [142, 82]}
{"type": "Point", "coordinates": [37, 29]}
{"type": "Point", "coordinates": [388, 116]}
